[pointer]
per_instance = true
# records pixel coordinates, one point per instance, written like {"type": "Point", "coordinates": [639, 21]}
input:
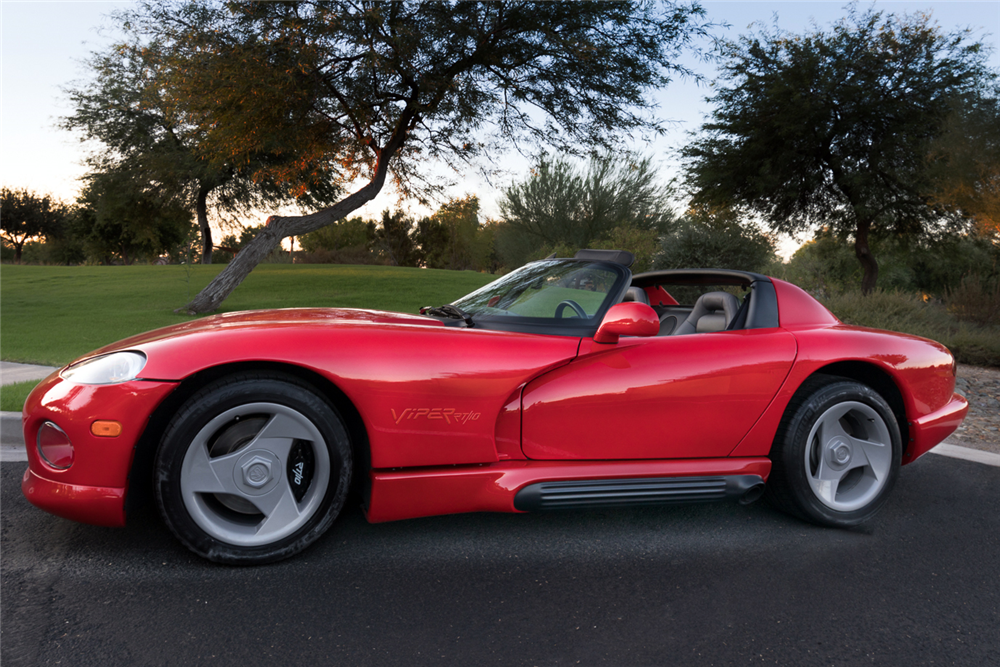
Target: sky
{"type": "Point", "coordinates": [43, 45]}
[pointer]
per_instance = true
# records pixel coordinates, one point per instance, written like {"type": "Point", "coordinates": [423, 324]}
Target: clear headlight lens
{"type": "Point", "coordinates": [110, 369]}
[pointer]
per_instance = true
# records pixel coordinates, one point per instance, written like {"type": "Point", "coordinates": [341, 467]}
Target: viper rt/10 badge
{"type": "Point", "coordinates": [448, 415]}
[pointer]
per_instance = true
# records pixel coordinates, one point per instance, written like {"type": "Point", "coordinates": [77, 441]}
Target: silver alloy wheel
{"type": "Point", "coordinates": [848, 456]}
{"type": "Point", "coordinates": [221, 492]}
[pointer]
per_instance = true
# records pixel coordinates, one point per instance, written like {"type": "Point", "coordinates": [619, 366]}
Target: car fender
{"type": "Point", "coordinates": [920, 369]}
{"type": "Point", "coordinates": [428, 395]}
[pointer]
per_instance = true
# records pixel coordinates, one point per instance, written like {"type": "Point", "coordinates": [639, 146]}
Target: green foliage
{"type": "Point", "coordinates": [561, 205]}
{"type": "Point", "coordinates": [836, 126]}
{"type": "Point", "coordinates": [130, 107]}
{"type": "Point", "coordinates": [392, 240]}
{"type": "Point", "coordinates": [51, 314]}
{"type": "Point", "coordinates": [452, 237]}
{"type": "Point", "coordinates": [120, 224]}
{"type": "Point", "coordinates": [344, 242]}
{"type": "Point", "coordinates": [928, 265]}
{"type": "Point", "coordinates": [343, 80]}
{"type": "Point", "coordinates": [965, 163]}
{"type": "Point", "coordinates": [349, 233]}
{"type": "Point", "coordinates": [378, 90]}
{"type": "Point", "coordinates": [25, 215]}
{"type": "Point", "coordinates": [976, 300]}
{"type": "Point", "coordinates": [717, 240]}
{"type": "Point", "coordinates": [643, 243]}
{"type": "Point", "coordinates": [908, 312]}
{"type": "Point", "coordinates": [65, 249]}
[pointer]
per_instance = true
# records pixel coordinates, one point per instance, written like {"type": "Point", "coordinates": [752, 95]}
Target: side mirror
{"type": "Point", "coordinates": [627, 319]}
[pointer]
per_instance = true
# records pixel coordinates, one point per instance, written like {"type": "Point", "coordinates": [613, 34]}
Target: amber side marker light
{"type": "Point", "coordinates": [106, 429]}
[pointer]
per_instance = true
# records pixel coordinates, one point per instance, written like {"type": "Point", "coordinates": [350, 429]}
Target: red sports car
{"type": "Point", "coordinates": [567, 383]}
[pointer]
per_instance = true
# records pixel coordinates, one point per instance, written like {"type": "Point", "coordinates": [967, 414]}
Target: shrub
{"type": "Point", "coordinates": [910, 313]}
{"type": "Point", "coordinates": [975, 300]}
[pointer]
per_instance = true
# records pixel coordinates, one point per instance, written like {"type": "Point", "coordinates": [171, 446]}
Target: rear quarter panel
{"type": "Point", "coordinates": [921, 369]}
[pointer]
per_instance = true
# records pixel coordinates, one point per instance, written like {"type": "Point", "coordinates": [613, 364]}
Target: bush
{"type": "Point", "coordinates": [346, 233]}
{"type": "Point", "coordinates": [930, 265]}
{"type": "Point", "coordinates": [976, 300]}
{"type": "Point", "coordinates": [910, 313]}
{"type": "Point", "coordinates": [356, 255]}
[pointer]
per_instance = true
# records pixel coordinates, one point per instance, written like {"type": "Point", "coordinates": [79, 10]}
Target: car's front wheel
{"type": "Point", "coordinates": [836, 455]}
{"type": "Point", "coordinates": [252, 469]}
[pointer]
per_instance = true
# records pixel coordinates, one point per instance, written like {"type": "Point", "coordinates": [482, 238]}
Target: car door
{"type": "Point", "coordinates": [663, 397]}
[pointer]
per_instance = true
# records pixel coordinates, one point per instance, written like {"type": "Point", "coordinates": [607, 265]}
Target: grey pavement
{"type": "Point", "coordinates": [11, 372]}
{"type": "Point", "coordinates": [11, 440]}
{"type": "Point", "coordinates": [713, 584]}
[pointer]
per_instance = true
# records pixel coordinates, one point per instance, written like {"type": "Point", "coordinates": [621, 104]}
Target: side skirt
{"type": "Point", "coordinates": [633, 492]}
{"type": "Point", "coordinates": [518, 486]}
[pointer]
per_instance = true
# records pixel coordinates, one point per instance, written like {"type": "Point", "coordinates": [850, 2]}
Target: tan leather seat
{"type": "Point", "coordinates": [713, 311]}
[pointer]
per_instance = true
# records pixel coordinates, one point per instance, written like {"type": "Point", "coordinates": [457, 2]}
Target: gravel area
{"type": "Point", "coordinates": [981, 428]}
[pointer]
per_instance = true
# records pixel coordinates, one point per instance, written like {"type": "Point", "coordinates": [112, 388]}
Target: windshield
{"type": "Point", "coordinates": [555, 290]}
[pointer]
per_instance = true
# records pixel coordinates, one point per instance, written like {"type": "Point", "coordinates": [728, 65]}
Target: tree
{"type": "Point", "coordinates": [391, 238]}
{"type": "Point", "coordinates": [561, 205]}
{"type": "Point", "coordinates": [716, 239]}
{"type": "Point", "coordinates": [130, 108]}
{"type": "Point", "coordinates": [452, 238]}
{"type": "Point", "coordinates": [118, 222]}
{"type": "Point", "coordinates": [25, 215]}
{"type": "Point", "coordinates": [390, 88]}
{"type": "Point", "coordinates": [965, 163]}
{"type": "Point", "coordinates": [834, 127]}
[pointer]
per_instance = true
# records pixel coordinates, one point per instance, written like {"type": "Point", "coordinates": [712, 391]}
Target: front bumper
{"type": "Point", "coordinates": [93, 489]}
{"type": "Point", "coordinates": [97, 505]}
{"type": "Point", "coordinates": [931, 430]}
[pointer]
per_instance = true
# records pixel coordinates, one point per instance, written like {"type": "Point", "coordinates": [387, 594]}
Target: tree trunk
{"type": "Point", "coordinates": [206, 231]}
{"type": "Point", "coordinates": [260, 247]}
{"type": "Point", "coordinates": [277, 229]}
{"type": "Point", "coordinates": [865, 256]}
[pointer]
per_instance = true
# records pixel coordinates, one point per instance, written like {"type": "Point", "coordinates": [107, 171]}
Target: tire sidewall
{"type": "Point", "coordinates": [793, 453]}
{"type": "Point", "coordinates": [216, 399]}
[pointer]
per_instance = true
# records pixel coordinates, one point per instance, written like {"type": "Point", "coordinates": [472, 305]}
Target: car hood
{"type": "Point", "coordinates": [270, 319]}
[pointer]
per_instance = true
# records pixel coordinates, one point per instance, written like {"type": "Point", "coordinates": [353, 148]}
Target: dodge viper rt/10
{"type": "Point", "coordinates": [567, 383]}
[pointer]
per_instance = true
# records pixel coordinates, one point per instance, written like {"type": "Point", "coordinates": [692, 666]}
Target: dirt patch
{"type": "Point", "coordinates": [981, 428]}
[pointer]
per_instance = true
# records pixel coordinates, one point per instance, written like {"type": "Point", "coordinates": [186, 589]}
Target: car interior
{"type": "Point", "coordinates": [713, 311]}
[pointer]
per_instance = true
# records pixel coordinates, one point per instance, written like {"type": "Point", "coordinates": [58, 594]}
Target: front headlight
{"type": "Point", "coordinates": [110, 369]}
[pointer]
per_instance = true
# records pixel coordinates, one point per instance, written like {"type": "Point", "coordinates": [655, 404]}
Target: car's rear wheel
{"type": "Point", "coordinates": [253, 469]}
{"type": "Point", "coordinates": [837, 453]}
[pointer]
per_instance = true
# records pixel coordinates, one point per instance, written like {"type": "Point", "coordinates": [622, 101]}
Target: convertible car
{"type": "Point", "coordinates": [569, 383]}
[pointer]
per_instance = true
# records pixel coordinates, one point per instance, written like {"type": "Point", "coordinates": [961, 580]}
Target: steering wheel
{"type": "Point", "coordinates": [571, 304]}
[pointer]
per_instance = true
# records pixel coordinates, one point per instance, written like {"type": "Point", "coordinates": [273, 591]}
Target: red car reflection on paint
{"type": "Point", "coordinates": [568, 383]}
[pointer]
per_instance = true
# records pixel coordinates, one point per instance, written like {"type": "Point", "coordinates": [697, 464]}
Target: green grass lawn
{"type": "Point", "coordinates": [52, 314]}
{"type": "Point", "coordinates": [13, 396]}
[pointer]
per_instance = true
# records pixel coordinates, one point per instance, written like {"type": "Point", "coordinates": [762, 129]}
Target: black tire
{"type": "Point", "coordinates": [252, 469]}
{"type": "Point", "coordinates": [836, 455]}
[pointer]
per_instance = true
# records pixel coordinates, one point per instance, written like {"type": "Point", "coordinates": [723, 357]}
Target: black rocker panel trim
{"type": "Point", "coordinates": [632, 492]}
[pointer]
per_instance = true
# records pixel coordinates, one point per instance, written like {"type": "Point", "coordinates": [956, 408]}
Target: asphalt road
{"type": "Point", "coordinates": [696, 585]}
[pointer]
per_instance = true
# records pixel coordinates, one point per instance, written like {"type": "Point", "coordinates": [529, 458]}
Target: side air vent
{"type": "Point", "coordinates": [632, 492]}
